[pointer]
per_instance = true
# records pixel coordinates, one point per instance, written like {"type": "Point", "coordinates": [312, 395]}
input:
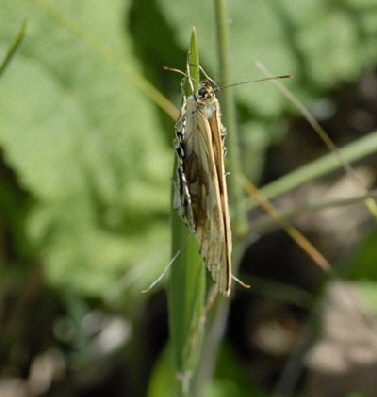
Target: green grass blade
{"type": "Point", "coordinates": [330, 162]}
{"type": "Point", "coordinates": [187, 286]}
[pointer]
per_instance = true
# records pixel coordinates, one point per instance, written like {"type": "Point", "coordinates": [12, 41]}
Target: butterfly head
{"type": "Point", "coordinates": [206, 90]}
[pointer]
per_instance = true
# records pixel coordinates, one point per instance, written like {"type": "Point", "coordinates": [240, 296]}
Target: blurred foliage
{"type": "Point", "coordinates": [86, 156]}
{"type": "Point", "coordinates": [231, 378]}
{"type": "Point", "coordinates": [86, 144]}
{"type": "Point", "coordinates": [362, 265]}
{"type": "Point", "coordinates": [89, 146]}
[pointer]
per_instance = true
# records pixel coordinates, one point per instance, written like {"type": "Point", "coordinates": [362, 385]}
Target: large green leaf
{"type": "Point", "coordinates": [316, 42]}
{"type": "Point", "coordinates": [85, 142]}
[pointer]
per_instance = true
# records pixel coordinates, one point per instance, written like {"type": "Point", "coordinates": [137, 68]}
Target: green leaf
{"type": "Point", "coordinates": [162, 381]}
{"type": "Point", "coordinates": [368, 293]}
{"type": "Point", "coordinates": [361, 264]}
{"type": "Point", "coordinates": [86, 143]}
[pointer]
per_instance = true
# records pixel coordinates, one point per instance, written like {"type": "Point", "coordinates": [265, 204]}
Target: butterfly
{"type": "Point", "coordinates": [201, 195]}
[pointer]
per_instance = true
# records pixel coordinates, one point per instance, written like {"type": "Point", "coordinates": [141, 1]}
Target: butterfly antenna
{"type": "Point", "coordinates": [177, 71]}
{"type": "Point", "coordinates": [286, 76]}
{"type": "Point", "coordinates": [188, 77]}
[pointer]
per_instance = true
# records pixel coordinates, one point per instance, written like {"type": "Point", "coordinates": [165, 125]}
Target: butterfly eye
{"type": "Point", "coordinates": [202, 93]}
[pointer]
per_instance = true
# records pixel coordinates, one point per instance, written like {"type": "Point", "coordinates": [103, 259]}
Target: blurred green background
{"type": "Point", "coordinates": [86, 164]}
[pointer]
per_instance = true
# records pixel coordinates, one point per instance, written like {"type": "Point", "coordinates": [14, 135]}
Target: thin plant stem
{"type": "Point", "coordinates": [229, 119]}
{"type": "Point", "coordinates": [216, 319]}
{"type": "Point", "coordinates": [324, 165]}
{"type": "Point", "coordinates": [13, 48]}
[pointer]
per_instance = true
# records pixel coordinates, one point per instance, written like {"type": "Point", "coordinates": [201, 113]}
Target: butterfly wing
{"type": "Point", "coordinates": [202, 184]}
{"type": "Point", "coordinates": [183, 192]}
